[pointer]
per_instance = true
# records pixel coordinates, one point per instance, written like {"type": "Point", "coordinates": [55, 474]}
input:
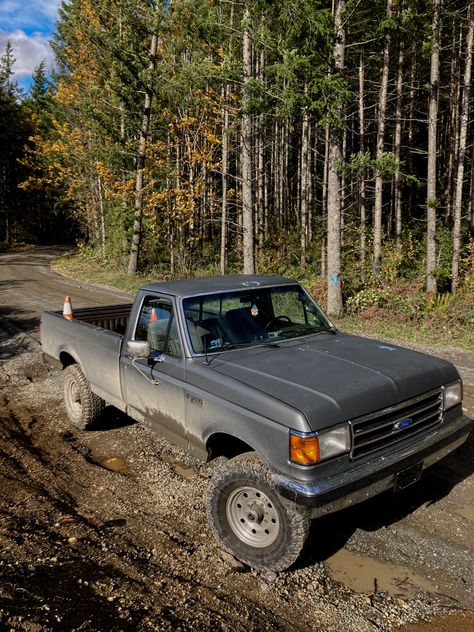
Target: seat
{"type": "Point", "coordinates": [197, 334]}
{"type": "Point", "coordinates": [241, 326]}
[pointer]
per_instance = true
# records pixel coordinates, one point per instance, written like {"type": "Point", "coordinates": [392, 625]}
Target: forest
{"type": "Point", "coordinates": [332, 142]}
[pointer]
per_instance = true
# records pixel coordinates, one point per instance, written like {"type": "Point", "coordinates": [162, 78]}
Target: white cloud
{"type": "Point", "coordinates": [28, 51]}
{"type": "Point", "coordinates": [27, 24]}
{"type": "Point", "coordinates": [26, 14]}
{"type": "Point", "coordinates": [48, 7]}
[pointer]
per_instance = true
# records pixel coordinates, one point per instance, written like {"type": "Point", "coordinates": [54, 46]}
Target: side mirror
{"type": "Point", "coordinates": [138, 349]}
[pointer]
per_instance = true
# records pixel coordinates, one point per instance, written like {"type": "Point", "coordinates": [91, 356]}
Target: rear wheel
{"type": "Point", "coordinates": [83, 406]}
{"type": "Point", "coordinates": [250, 520]}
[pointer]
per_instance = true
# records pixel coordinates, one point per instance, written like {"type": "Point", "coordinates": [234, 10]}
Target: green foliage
{"type": "Point", "coordinates": [367, 297]}
{"type": "Point", "coordinates": [81, 134]}
{"type": "Point", "coordinates": [362, 165]}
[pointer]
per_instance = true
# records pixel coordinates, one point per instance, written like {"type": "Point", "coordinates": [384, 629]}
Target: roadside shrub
{"type": "Point", "coordinates": [367, 297]}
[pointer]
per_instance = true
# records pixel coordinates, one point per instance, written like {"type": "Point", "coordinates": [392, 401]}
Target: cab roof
{"type": "Point", "coordinates": [222, 283]}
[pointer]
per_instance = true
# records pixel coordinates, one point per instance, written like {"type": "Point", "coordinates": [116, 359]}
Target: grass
{"type": "Point", "coordinates": [427, 333]}
{"type": "Point", "coordinates": [400, 313]}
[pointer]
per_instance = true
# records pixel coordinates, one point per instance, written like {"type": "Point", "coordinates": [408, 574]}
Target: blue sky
{"type": "Point", "coordinates": [28, 25]}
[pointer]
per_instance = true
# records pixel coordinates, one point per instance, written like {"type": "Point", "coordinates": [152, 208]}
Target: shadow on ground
{"type": "Point", "coordinates": [12, 322]}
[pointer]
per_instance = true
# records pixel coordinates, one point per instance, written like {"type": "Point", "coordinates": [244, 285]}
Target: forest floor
{"type": "Point", "coordinates": [106, 530]}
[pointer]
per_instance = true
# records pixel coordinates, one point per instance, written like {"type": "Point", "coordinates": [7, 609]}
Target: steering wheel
{"type": "Point", "coordinates": [275, 320]}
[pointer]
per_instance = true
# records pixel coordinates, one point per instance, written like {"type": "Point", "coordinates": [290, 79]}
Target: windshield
{"type": "Point", "coordinates": [228, 320]}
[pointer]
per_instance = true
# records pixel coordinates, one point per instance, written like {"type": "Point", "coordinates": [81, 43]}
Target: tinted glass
{"type": "Point", "coordinates": [258, 316]}
{"type": "Point", "coordinates": [157, 325]}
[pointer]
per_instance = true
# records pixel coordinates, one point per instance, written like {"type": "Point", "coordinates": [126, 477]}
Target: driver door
{"type": "Point", "coordinates": [154, 391]}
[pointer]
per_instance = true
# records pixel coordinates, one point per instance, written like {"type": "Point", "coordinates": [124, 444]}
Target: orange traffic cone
{"type": "Point", "coordinates": [67, 309]}
{"type": "Point", "coordinates": [153, 315]}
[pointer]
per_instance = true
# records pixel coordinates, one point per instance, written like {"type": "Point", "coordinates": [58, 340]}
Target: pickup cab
{"type": "Point", "coordinates": [310, 419]}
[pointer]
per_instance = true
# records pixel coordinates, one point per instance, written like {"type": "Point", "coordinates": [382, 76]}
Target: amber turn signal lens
{"type": "Point", "coordinates": [304, 450]}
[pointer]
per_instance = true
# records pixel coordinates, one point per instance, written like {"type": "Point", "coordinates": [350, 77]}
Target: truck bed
{"type": "Point", "coordinates": [111, 317]}
{"type": "Point", "coordinates": [93, 339]}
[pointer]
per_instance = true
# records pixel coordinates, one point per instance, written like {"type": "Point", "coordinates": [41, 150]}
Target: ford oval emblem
{"type": "Point", "coordinates": [404, 423]}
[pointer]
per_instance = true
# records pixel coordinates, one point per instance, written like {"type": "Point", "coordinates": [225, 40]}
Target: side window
{"type": "Point", "coordinates": [157, 325]}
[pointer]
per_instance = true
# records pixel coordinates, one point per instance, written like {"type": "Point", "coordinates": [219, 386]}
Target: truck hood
{"type": "Point", "coordinates": [332, 378]}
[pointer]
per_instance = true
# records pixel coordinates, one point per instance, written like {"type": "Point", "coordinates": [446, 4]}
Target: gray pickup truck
{"type": "Point", "coordinates": [310, 419]}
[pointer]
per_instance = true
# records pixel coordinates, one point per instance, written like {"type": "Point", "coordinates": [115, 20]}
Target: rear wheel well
{"type": "Point", "coordinates": [66, 359]}
{"type": "Point", "coordinates": [222, 444]}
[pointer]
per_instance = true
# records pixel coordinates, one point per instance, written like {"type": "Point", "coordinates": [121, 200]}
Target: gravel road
{"type": "Point", "coordinates": [106, 530]}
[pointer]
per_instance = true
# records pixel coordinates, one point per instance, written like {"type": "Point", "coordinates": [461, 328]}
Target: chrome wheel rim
{"type": "Point", "coordinates": [253, 517]}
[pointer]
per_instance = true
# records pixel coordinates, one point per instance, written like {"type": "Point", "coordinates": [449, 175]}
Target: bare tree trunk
{"type": "Point", "coordinates": [311, 168]}
{"type": "Point", "coordinates": [225, 166]}
{"type": "Point", "coordinates": [397, 148]}
{"type": "Point", "coordinates": [260, 186]}
{"type": "Point", "coordinates": [462, 150]}
{"type": "Point", "coordinates": [471, 196]}
{"type": "Point", "coordinates": [431, 201]}
{"type": "Point", "coordinates": [101, 212]}
{"type": "Point", "coordinates": [304, 187]}
{"type": "Point", "coordinates": [137, 222]}
{"type": "Point", "coordinates": [259, 163]}
{"type": "Point", "coordinates": [411, 121]}
{"type": "Point", "coordinates": [334, 180]}
{"type": "Point", "coordinates": [381, 115]}
{"type": "Point", "coordinates": [362, 199]}
{"type": "Point", "coordinates": [246, 155]}
{"type": "Point", "coordinates": [324, 204]}
{"type": "Point", "coordinates": [452, 130]}
{"type": "Point", "coordinates": [169, 210]}
{"type": "Point", "coordinates": [343, 184]}
{"type": "Point", "coordinates": [283, 170]}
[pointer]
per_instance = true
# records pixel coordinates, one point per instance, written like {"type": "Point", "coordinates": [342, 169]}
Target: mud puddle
{"type": "Point", "coordinates": [180, 467]}
{"type": "Point", "coordinates": [366, 575]}
{"type": "Point", "coordinates": [466, 511]}
{"type": "Point", "coordinates": [117, 464]}
{"type": "Point", "coordinates": [457, 622]}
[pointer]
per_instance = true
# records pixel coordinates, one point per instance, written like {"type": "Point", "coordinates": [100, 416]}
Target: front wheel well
{"type": "Point", "coordinates": [222, 444]}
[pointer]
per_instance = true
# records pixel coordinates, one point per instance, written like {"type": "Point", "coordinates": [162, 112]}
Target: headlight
{"type": "Point", "coordinates": [452, 394]}
{"type": "Point", "coordinates": [310, 448]}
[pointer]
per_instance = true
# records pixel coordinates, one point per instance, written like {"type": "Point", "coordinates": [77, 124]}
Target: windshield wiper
{"type": "Point", "coordinates": [328, 330]}
{"type": "Point", "coordinates": [235, 345]}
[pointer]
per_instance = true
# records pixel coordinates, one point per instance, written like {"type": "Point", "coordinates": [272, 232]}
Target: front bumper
{"type": "Point", "coordinates": [375, 476]}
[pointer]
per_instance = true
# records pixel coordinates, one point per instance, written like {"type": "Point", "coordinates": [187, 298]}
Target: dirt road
{"type": "Point", "coordinates": [106, 530]}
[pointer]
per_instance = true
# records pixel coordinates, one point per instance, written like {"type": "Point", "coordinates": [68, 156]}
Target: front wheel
{"type": "Point", "coordinates": [83, 406]}
{"type": "Point", "coordinates": [250, 520]}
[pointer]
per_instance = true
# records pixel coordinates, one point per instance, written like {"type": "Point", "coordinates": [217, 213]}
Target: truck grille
{"type": "Point", "coordinates": [389, 426]}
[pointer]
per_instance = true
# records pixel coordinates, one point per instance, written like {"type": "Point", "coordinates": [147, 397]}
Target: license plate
{"type": "Point", "coordinates": [409, 476]}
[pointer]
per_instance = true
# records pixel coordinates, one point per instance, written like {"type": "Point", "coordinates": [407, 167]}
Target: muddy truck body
{"type": "Point", "coordinates": [310, 419]}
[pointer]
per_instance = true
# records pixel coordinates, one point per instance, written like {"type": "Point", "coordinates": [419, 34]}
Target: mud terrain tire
{"type": "Point", "coordinates": [250, 520]}
{"type": "Point", "coordinates": [83, 406]}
